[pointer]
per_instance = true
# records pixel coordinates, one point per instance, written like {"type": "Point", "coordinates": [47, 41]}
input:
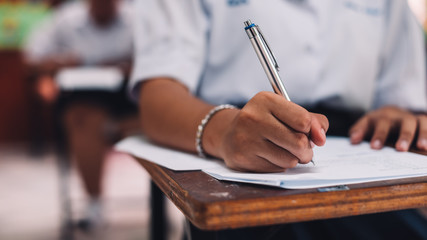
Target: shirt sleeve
{"type": "Point", "coordinates": [402, 78]}
{"type": "Point", "coordinates": [170, 39]}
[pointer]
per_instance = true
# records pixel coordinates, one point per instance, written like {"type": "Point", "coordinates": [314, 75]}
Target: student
{"type": "Point", "coordinates": [350, 55]}
{"type": "Point", "coordinates": [87, 33]}
{"type": "Point", "coordinates": [344, 58]}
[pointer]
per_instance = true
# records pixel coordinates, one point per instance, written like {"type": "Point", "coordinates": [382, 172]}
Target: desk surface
{"type": "Point", "coordinates": [216, 205]}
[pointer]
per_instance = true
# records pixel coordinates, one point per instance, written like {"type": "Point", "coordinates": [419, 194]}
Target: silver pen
{"type": "Point", "coordinates": [267, 59]}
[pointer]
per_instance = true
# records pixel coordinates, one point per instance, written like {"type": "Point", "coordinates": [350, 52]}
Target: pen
{"type": "Point", "coordinates": [267, 59]}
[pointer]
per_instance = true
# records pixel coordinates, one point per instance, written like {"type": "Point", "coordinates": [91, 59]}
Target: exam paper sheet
{"type": "Point", "coordinates": [336, 163]}
{"type": "Point", "coordinates": [140, 147]}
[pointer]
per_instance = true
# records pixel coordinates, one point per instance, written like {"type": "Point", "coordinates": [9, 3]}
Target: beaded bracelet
{"type": "Point", "coordinates": [202, 125]}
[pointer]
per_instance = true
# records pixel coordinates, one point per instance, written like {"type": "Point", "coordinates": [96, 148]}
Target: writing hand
{"type": "Point", "coordinates": [382, 122]}
{"type": "Point", "coordinates": [271, 134]}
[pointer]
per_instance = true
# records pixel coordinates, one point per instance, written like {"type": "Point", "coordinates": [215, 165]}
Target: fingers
{"type": "Point", "coordinates": [268, 157]}
{"type": "Point", "coordinates": [387, 119]}
{"type": "Point", "coordinates": [263, 139]}
{"type": "Point", "coordinates": [296, 117]}
{"type": "Point", "coordinates": [244, 157]}
{"type": "Point", "coordinates": [281, 157]}
{"type": "Point", "coordinates": [289, 113]}
{"type": "Point", "coordinates": [407, 132]}
{"type": "Point", "coordinates": [285, 138]}
{"type": "Point", "coordinates": [381, 131]}
{"type": "Point", "coordinates": [299, 120]}
{"type": "Point", "coordinates": [359, 130]}
{"type": "Point", "coordinates": [422, 132]}
{"type": "Point", "coordinates": [319, 126]}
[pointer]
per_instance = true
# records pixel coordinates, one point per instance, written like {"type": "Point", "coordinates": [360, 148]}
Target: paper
{"type": "Point", "coordinates": [168, 158]}
{"type": "Point", "coordinates": [337, 163]}
{"type": "Point", "coordinates": [90, 78]}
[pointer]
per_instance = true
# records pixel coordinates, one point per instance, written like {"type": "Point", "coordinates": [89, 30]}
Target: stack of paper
{"type": "Point", "coordinates": [336, 163]}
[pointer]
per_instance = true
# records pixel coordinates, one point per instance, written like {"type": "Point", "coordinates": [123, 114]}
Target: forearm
{"type": "Point", "coordinates": [170, 114]}
{"type": "Point", "coordinates": [269, 134]}
{"type": "Point", "coordinates": [39, 68]}
{"type": "Point", "coordinates": [50, 65]}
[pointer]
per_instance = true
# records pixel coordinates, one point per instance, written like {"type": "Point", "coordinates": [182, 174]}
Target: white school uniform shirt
{"type": "Point", "coordinates": [353, 54]}
{"type": "Point", "coordinates": [71, 30]}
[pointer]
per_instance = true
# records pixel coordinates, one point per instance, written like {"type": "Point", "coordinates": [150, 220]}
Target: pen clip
{"type": "Point", "coordinates": [276, 65]}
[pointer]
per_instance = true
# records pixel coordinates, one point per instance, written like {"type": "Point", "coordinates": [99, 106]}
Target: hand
{"type": "Point", "coordinates": [47, 88]}
{"type": "Point", "coordinates": [382, 122]}
{"type": "Point", "coordinates": [271, 134]}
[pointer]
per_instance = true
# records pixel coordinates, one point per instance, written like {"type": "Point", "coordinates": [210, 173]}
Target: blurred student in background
{"type": "Point", "coordinates": [86, 34]}
{"type": "Point", "coordinates": [360, 63]}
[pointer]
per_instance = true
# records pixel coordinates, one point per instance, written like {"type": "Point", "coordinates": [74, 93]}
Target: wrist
{"type": "Point", "coordinates": [215, 130]}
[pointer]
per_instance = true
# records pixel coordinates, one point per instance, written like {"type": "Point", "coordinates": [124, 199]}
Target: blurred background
{"type": "Point", "coordinates": [32, 178]}
{"type": "Point", "coordinates": [31, 202]}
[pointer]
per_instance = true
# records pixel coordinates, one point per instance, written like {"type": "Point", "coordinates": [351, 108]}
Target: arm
{"type": "Point", "coordinates": [43, 58]}
{"type": "Point", "coordinates": [401, 86]}
{"type": "Point", "coordinates": [49, 65]}
{"type": "Point", "coordinates": [44, 54]}
{"type": "Point", "coordinates": [258, 137]}
{"type": "Point", "coordinates": [268, 134]}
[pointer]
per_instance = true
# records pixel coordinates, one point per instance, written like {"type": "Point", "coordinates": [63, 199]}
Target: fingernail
{"type": "Point", "coordinates": [354, 136]}
{"type": "Point", "coordinates": [404, 145]}
{"type": "Point", "coordinates": [312, 144]}
{"type": "Point", "coordinates": [323, 132]}
{"type": "Point", "coordinates": [376, 144]}
{"type": "Point", "coordinates": [422, 143]}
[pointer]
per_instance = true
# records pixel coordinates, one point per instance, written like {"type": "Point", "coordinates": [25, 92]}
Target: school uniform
{"type": "Point", "coordinates": [350, 54]}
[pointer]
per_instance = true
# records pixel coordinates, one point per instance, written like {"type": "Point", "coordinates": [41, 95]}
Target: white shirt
{"type": "Point", "coordinates": [71, 30]}
{"type": "Point", "coordinates": [357, 54]}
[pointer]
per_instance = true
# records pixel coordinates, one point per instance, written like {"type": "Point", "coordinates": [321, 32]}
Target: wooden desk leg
{"type": "Point", "coordinates": [158, 227]}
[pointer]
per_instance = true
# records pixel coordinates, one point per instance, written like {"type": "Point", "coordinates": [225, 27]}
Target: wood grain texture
{"type": "Point", "coordinates": [216, 205]}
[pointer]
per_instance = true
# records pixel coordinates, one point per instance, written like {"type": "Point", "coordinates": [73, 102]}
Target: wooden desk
{"type": "Point", "coordinates": [216, 205]}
